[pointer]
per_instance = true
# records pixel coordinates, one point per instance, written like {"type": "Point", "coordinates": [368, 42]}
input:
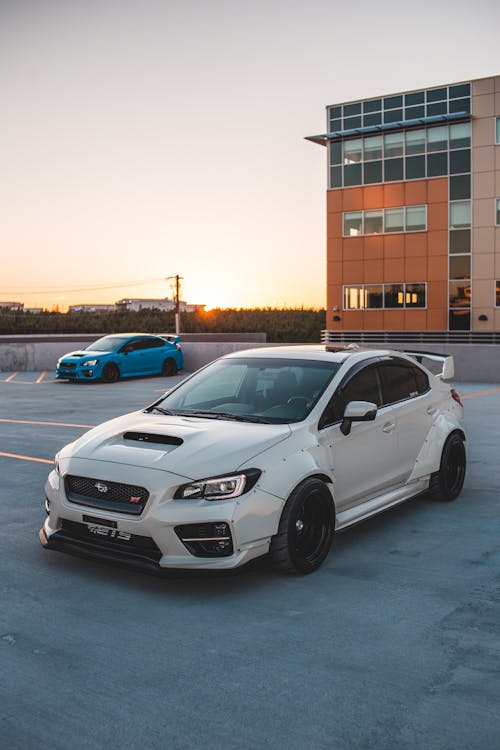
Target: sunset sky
{"type": "Point", "coordinates": [145, 138]}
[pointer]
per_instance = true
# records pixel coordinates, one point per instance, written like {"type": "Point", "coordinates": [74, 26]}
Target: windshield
{"type": "Point", "coordinates": [107, 344]}
{"type": "Point", "coordinates": [257, 390]}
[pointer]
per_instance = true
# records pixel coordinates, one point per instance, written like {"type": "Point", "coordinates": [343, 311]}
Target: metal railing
{"type": "Point", "coordinates": [416, 337]}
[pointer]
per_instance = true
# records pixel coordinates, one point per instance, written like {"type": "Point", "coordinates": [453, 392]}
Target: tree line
{"type": "Point", "coordinates": [291, 325]}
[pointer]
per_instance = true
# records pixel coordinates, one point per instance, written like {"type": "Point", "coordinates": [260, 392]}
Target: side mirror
{"type": "Point", "coordinates": [357, 411]}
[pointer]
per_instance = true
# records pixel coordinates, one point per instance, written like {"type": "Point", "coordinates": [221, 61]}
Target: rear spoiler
{"type": "Point", "coordinates": [448, 370]}
{"type": "Point", "coordinates": [172, 338]}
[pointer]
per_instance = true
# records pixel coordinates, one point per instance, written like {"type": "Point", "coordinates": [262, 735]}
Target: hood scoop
{"type": "Point", "coordinates": [151, 437]}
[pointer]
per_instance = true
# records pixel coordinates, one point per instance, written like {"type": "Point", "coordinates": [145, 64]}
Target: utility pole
{"type": "Point", "coordinates": [177, 302]}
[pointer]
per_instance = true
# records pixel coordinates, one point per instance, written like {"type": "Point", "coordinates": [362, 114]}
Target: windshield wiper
{"type": "Point", "coordinates": [162, 411]}
{"type": "Point", "coordinates": [222, 415]}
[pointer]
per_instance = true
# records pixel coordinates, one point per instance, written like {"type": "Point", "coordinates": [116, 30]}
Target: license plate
{"type": "Point", "coordinates": [104, 531]}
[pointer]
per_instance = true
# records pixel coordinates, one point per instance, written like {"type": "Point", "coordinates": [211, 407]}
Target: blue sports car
{"type": "Point", "coordinates": [123, 355]}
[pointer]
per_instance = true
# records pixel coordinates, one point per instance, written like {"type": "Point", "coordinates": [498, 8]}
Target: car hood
{"type": "Point", "coordinates": [190, 447]}
{"type": "Point", "coordinates": [83, 353]}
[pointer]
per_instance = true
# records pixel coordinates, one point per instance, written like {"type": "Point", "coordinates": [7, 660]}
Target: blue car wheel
{"type": "Point", "coordinates": [110, 373]}
{"type": "Point", "coordinates": [169, 367]}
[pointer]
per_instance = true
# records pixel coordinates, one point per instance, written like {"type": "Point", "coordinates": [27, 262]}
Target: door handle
{"type": "Point", "coordinates": [388, 427]}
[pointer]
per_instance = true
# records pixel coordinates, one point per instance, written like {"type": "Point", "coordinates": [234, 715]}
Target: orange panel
{"type": "Point", "coordinates": [334, 224]}
{"type": "Point", "coordinates": [352, 199]}
{"type": "Point", "coordinates": [415, 320]}
{"type": "Point", "coordinates": [373, 271]}
{"type": "Point", "coordinates": [352, 320]}
{"type": "Point", "coordinates": [334, 272]}
{"type": "Point", "coordinates": [437, 242]}
{"type": "Point", "coordinates": [415, 269]}
{"type": "Point", "coordinates": [334, 200]}
{"type": "Point", "coordinates": [334, 249]}
{"type": "Point", "coordinates": [437, 190]}
{"type": "Point", "coordinates": [394, 194]}
{"type": "Point", "coordinates": [394, 270]}
{"type": "Point", "coordinates": [373, 197]}
{"type": "Point", "coordinates": [334, 296]}
{"type": "Point", "coordinates": [416, 192]}
{"type": "Point", "coordinates": [437, 268]}
{"type": "Point", "coordinates": [373, 248]}
{"type": "Point", "coordinates": [373, 320]}
{"type": "Point", "coordinates": [352, 271]}
{"type": "Point", "coordinates": [437, 320]}
{"type": "Point", "coordinates": [394, 246]}
{"type": "Point", "coordinates": [437, 216]}
{"type": "Point", "coordinates": [437, 294]}
{"type": "Point", "coordinates": [416, 244]}
{"type": "Point", "coordinates": [352, 248]}
{"type": "Point", "coordinates": [394, 320]}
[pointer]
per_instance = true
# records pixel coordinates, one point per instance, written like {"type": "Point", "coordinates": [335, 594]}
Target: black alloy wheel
{"type": "Point", "coordinates": [446, 484]}
{"type": "Point", "coordinates": [169, 368]}
{"type": "Point", "coordinates": [306, 529]}
{"type": "Point", "coordinates": [110, 373]}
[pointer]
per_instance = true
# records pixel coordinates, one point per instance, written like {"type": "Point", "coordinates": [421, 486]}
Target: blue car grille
{"type": "Point", "coordinates": [67, 365]}
{"type": "Point", "coordinates": [98, 493]}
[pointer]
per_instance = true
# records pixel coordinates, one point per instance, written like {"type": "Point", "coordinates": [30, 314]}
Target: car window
{"type": "Point", "coordinates": [363, 386]}
{"type": "Point", "coordinates": [401, 381]}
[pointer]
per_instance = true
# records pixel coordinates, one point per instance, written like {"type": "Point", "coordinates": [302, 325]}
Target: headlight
{"type": "Point", "coordinates": [90, 362]}
{"type": "Point", "coordinates": [57, 468]}
{"type": "Point", "coordinates": [219, 488]}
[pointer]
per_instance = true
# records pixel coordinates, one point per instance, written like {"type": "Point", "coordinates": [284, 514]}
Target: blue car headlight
{"type": "Point", "coordinates": [90, 363]}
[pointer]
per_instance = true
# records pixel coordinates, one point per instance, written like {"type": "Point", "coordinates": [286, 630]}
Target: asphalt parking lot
{"type": "Point", "coordinates": [393, 644]}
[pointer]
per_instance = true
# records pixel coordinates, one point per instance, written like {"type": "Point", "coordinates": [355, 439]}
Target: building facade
{"type": "Point", "coordinates": [413, 210]}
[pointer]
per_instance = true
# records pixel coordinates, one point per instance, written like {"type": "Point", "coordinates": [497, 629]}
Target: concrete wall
{"type": "Point", "coordinates": [473, 362]}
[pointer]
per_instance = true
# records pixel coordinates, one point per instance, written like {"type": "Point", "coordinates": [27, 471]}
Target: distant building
{"type": "Point", "coordinates": [33, 310]}
{"type": "Point", "coordinates": [92, 308]}
{"type": "Point", "coordinates": [413, 210]}
{"type": "Point", "coordinates": [11, 306]}
{"type": "Point", "coordinates": [165, 305]}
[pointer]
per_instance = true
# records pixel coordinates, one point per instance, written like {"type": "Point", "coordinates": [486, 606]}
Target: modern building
{"type": "Point", "coordinates": [11, 306]}
{"type": "Point", "coordinates": [92, 308]}
{"type": "Point", "coordinates": [413, 210]}
{"type": "Point", "coordinates": [164, 305]}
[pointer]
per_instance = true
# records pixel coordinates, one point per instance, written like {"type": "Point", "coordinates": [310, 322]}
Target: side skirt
{"type": "Point", "coordinates": [380, 503]}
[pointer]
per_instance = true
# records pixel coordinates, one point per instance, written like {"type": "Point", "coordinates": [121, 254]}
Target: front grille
{"type": "Point", "coordinates": [67, 365]}
{"type": "Point", "coordinates": [115, 543]}
{"type": "Point", "coordinates": [99, 493]}
{"type": "Point", "coordinates": [206, 539]}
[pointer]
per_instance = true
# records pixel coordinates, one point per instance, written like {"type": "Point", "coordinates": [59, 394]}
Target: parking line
{"type": "Point", "coordinates": [51, 424]}
{"type": "Point", "coordinates": [41, 377]}
{"type": "Point", "coordinates": [11, 377]}
{"type": "Point", "coordinates": [481, 393]}
{"type": "Point", "coordinates": [28, 458]}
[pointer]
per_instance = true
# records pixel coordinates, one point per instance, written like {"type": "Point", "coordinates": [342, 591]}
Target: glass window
{"type": "Point", "coordinates": [415, 167]}
{"type": "Point", "coordinates": [352, 175]}
{"type": "Point", "coordinates": [415, 141]}
{"type": "Point", "coordinates": [352, 151]}
{"type": "Point", "coordinates": [460, 135]}
{"type": "Point", "coordinates": [415, 295]}
{"type": "Point", "coordinates": [413, 113]}
{"type": "Point", "coordinates": [374, 297]}
{"type": "Point", "coordinates": [336, 177]}
{"type": "Point", "coordinates": [439, 108]}
{"type": "Point", "coordinates": [392, 102]}
{"type": "Point", "coordinates": [393, 144]}
{"type": "Point", "coordinates": [374, 118]}
{"type": "Point", "coordinates": [336, 152]}
{"type": "Point", "coordinates": [460, 214]}
{"type": "Point", "coordinates": [353, 223]}
{"type": "Point", "coordinates": [393, 170]}
{"type": "Point", "coordinates": [373, 172]}
{"type": "Point", "coordinates": [459, 320]}
{"type": "Point", "coordinates": [415, 218]}
{"type": "Point", "coordinates": [393, 295]}
{"type": "Point", "coordinates": [437, 138]}
{"type": "Point", "coordinates": [460, 105]}
{"type": "Point", "coordinates": [352, 109]}
{"type": "Point", "coordinates": [373, 147]}
{"type": "Point", "coordinates": [497, 293]}
{"type": "Point", "coordinates": [373, 222]}
{"type": "Point", "coordinates": [335, 125]}
{"type": "Point", "coordinates": [462, 89]}
{"type": "Point", "coordinates": [351, 123]}
{"type": "Point", "coordinates": [497, 134]}
{"type": "Point", "coordinates": [460, 293]}
{"type": "Point", "coordinates": [460, 161]}
{"type": "Point", "coordinates": [353, 297]}
{"type": "Point", "coordinates": [393, 115]}
{"type": "Point", "coordinates": [460, 266]}
{"type": "Point", "coordinates": [497, 220]}
{"type": "Point", "coordinates": [417, 97]}
{"type": "Point", "coordinates": [460, 187]}
{"type": "Point", "coordinates": [373, 105]}
{"type": "Point", "coordinates": [398, 382]}
{"type": "Point", "coordinates": [437, 164]}
{"type": "Point", "coordinates": [394, 219]}
{"type": "Point", "coordinates": [436, 95]}
{"type": "Point", "coordinates": [363, 386]}
{"type": "Point", "coordinates": [460, 241]}
{"type": "Point", "coordinates": [335, 112]}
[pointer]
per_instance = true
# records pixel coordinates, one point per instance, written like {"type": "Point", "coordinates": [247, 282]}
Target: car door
{"type": "Point", "coordinates": [133, 360]}
{"type": "Point", "coordinates": [365, 462]}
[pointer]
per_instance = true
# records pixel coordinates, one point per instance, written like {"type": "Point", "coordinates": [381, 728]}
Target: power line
{"type": "Point", "coordinates": [58, 290]}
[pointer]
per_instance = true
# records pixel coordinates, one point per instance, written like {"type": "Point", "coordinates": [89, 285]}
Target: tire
{"type": "Point", "coordinates": [110, 373]}
{"type": "Point", "coordinates": [446, 484]}
{"type": "Point", "coordinates": [169, 368]}
{"type": "Point", "coordinates": [305, 530]}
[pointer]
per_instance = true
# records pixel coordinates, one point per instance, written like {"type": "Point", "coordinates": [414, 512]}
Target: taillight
{"type": "Point", "coordinates": [456, 396]}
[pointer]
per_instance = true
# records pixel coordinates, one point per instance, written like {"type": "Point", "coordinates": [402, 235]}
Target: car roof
{"type": "Point", "coordinates": [318, 352]}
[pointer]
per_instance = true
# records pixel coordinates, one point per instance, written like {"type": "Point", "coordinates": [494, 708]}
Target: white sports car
{"type": "Point", "coordinates": [266, 451]}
